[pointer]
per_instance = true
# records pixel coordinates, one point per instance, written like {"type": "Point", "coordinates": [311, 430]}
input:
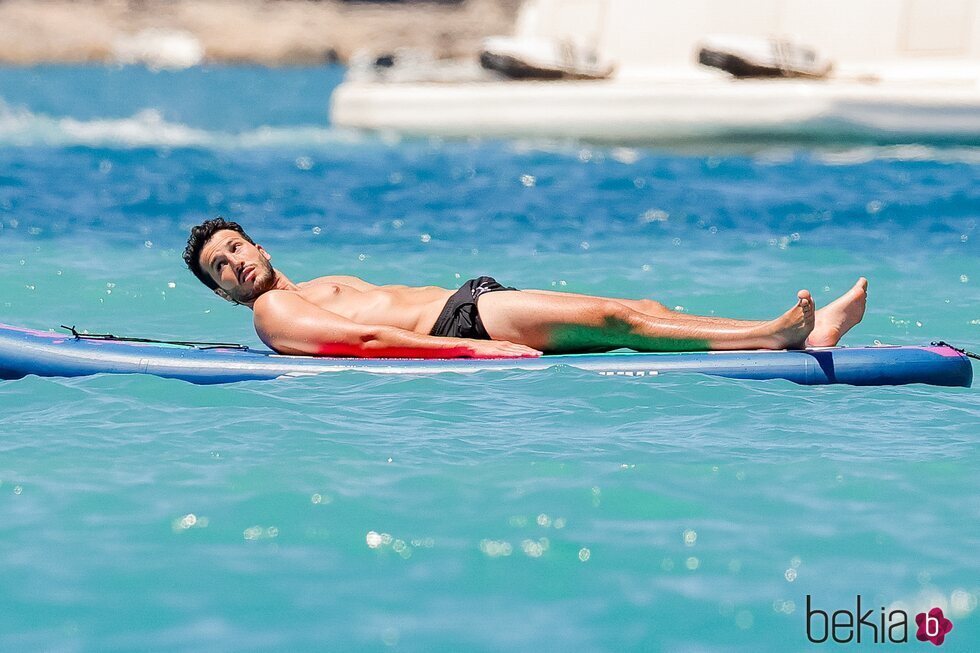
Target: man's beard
{"type": "Point", "coordinates": [265, 280]}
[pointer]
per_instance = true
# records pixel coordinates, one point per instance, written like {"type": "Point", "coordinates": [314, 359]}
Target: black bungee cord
{"type": "Point", "coordinates": [943, 343]}
{"type": "Point", "coordinates": [183, 343]}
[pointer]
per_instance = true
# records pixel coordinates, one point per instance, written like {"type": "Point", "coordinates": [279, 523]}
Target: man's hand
{"type": "Point", "coordinates": [500, 349]}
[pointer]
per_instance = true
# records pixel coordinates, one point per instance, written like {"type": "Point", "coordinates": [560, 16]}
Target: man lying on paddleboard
{"type": "Point", "coordinates": [346, 316]}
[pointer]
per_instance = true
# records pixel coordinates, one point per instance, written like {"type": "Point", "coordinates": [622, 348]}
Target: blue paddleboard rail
{"type": "Point", "coordinates": [25, 351]}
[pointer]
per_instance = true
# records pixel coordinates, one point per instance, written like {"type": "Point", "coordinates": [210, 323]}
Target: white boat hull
{"type": "Point", "coordinates": [650, 110]}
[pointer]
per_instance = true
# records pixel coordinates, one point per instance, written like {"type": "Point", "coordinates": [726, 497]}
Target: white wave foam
{"type": "Point", "coordinates": [147, 128]}
{"type": "Point", "coordinates": [916, 152]}
{"type": "Point", "coordinates": [768, 155]}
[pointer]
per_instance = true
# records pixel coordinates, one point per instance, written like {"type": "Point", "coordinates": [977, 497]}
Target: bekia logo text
{"type": "Point", "coordinates": [875, 626]}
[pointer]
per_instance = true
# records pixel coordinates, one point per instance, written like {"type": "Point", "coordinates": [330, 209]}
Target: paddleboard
{"type": "Point", "coordinates": [25, 351]}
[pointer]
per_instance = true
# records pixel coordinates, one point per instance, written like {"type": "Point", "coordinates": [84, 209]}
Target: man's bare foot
{"type": "Point", "coordinates": [836, 318]}
{"type": "Point", "coordinates": [789, 330]}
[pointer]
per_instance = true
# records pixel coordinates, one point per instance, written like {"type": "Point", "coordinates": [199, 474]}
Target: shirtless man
{"type": "Point", "coordinates": [345, 316]}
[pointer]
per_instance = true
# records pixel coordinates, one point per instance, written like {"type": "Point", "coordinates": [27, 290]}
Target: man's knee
{"type": "Point", "coordinates": [618, 316]}
{"type": "Point", "coordinates": [651, 306]}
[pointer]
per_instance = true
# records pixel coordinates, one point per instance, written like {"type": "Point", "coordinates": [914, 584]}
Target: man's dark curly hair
{"type": "Point", "coordinates": [199, 237]}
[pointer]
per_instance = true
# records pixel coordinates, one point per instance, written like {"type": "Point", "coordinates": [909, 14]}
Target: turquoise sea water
{"type": "Point", "coordinates": [507, 511]}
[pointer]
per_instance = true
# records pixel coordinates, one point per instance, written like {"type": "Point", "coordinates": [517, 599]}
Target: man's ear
{"type": "Point", "coordinates": [223, 295]}
{"type": "Point", "coordinates": [266, 254]}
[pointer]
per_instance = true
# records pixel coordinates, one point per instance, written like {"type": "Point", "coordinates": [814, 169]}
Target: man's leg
{"type": "Point", "coordinates": [563, 322]}
{"type": "Point", "coordinates": [655, 309]}
{"type": "Point", "coordinates": [830, 322]}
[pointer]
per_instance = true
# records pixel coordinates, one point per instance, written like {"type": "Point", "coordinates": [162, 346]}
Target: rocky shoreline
{"type": "Point", "coordinates": [268, 32]}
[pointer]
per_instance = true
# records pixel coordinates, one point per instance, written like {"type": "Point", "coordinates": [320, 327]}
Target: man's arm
{"type": "Point", "coordinates": [291, 325]}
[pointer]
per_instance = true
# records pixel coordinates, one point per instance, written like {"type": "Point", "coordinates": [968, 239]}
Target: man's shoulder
{"type": "Point", "coordinates": [276, 300]}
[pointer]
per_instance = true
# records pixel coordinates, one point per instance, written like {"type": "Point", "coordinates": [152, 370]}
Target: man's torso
{"type": "Point", "coordinates": [406, 307]}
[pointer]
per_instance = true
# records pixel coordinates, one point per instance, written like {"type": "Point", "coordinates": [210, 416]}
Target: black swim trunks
{"type": "Point", "coordinates": [460, 317]}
